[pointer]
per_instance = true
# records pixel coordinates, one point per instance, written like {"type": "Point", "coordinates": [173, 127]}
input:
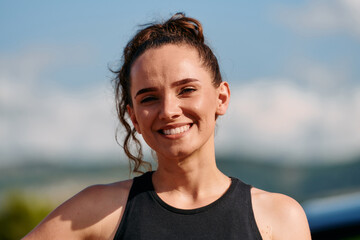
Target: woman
{"type": "Point", "coordinates": [171, 90]}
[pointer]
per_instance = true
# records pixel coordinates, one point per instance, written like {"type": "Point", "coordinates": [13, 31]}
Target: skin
{"type": "Point", "coordinates": [172, 90]}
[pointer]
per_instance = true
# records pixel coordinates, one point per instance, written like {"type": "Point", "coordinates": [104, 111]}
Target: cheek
{"type": "Point", "coordinates": [144, 117]}
{"type": "Point", "coordinates": [142, 114]}
{"type": "Point", "coordinates": [204, 106]}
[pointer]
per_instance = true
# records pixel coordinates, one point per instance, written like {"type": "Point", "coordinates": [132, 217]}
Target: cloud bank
{"type": "Point", "coordinates": [281, 119]}
{"type": "Point", "coordinates": [45, 120]}
{"type": "Point", "coordinates": [323, 17]}
{"type": "Point", "coordinates": [275, 118]}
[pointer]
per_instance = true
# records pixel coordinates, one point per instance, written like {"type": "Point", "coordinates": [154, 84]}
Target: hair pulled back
{"type": "Point", "coordinates": [180, 30]}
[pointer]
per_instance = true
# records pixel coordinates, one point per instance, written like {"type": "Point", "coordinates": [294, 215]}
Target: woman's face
{"type": "Point", "coordinates": [174, 101]}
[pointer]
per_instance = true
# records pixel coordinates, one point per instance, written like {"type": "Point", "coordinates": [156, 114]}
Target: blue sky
{"type": "Point", "coordinates": [292, 67]}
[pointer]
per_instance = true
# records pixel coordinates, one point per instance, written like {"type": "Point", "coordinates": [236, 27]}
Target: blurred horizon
{"type": "Point", "coordinates": [292, 69]}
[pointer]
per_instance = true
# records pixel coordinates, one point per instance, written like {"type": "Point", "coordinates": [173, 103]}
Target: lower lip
{"type": "Point", "coordinates": [178, 135]}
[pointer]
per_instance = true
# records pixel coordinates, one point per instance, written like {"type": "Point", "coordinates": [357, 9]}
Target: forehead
{"type": "Point", "coordinates": [167, 63]}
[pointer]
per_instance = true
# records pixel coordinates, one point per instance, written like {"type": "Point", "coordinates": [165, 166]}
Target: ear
{"type": "Point", "coordinates": [131, 113]}
{"type": "Point", "coordinates": [223, 98]}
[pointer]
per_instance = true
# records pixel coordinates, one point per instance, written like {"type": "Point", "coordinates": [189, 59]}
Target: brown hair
{"type": "Point", "coordinates": [177, 30]}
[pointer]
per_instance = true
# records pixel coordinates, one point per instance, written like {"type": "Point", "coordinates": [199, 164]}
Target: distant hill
{"type": "Point", "coordinates": [301, 182]}
{"type": "Point", "coordinates": [59, 181]}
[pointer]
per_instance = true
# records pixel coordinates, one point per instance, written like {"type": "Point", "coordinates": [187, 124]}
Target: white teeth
{"type": "Point", "coordinates": [177, 130]}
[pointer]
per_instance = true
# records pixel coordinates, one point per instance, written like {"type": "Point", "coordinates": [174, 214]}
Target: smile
{"type": "Point", "coordinates": [177, 130]}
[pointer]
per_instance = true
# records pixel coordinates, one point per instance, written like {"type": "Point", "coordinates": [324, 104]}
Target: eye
{"type": "Point", "coordinates": [187, 90]}
{"type": "Point", "coordinates": [148, 99]}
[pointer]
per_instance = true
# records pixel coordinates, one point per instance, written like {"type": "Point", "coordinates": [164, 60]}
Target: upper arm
{"type": "Point", "coordinates": [290, 220]}
{"type": "Point", "coordinates": [96, 209]}
{"type": "Point", "coordinates": [67, 220]}
{"type": "Point", "coordinates": [279, 216]}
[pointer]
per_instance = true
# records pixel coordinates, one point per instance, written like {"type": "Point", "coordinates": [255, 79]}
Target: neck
{"type": "Point", "coordinates": [188, 170]}
{"type": "Point", "coordinates": [187, 173]}
{"type": "Point", "coordinates": [190, 182]}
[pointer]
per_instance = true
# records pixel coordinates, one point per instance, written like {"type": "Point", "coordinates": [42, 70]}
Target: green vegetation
{"type": "Point", "coordinates": [353, 238]}
{"type": "Point", "coordinates": [19, 214]}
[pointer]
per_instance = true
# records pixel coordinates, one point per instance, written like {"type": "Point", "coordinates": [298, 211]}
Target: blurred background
{"type": "Point", "coordinates": [293, 125]}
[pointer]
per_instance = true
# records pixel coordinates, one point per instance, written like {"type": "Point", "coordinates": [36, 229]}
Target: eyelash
{"type": "Point", "coordinates": [147, 99]}
{"type": "Point", "coordinates": [186, 90]}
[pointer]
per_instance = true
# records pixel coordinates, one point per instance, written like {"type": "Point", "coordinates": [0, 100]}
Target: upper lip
{"type": "Point", "coordinates": [171, 126]}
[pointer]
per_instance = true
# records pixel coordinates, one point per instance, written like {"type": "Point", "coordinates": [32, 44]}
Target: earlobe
{"type": "Point", "coordinates": [131, 113]}
{"type": "Point", "coordinates": [223, 98]}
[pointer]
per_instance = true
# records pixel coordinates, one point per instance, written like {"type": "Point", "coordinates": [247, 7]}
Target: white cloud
{"type": "Point", "coordinates": [270, 117]}
{"type": "Point", "coordinates": [45, 120]}
{"type": "Point", "coordinates": [274, 118]}
{"type": "Point", "coordinates": [324, 17]}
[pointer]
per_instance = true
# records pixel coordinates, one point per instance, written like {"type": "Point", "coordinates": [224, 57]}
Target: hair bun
{"type": "Point", "coordinates": [180, 24]}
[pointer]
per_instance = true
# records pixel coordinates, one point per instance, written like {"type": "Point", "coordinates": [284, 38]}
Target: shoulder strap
{"type": "Point", "coordinates": [141, 184]}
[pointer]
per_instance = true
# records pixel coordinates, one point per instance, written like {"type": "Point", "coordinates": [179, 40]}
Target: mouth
{"type": "Point", "coordinates": [175, 130]}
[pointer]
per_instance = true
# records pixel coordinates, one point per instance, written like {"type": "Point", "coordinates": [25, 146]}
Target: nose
{"type": "Point", "coordinates": [170, 108]}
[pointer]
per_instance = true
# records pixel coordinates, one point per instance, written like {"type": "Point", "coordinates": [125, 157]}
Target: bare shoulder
{"type": "Point", "coordinates": [279, 216]}
{"type": "Point", "coordinates": [98, 207]}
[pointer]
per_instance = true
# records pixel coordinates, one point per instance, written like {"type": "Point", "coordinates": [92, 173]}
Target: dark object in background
{"type": "Point", "coordinates": [335, 217]}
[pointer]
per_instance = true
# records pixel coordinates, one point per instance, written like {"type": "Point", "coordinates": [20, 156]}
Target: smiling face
{"type": "Point", "coordinates": [174, 101]}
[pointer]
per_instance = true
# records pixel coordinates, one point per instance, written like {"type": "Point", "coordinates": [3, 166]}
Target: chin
{"type": "Point", "coordinates": [177, 155]}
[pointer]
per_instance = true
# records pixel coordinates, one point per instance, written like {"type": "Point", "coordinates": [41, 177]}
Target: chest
{"type": "Point", "coordinates": [147, 217]}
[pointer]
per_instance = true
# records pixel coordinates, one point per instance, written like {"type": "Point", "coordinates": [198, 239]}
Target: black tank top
{"type": "Point", "coordinates": [146, 216]}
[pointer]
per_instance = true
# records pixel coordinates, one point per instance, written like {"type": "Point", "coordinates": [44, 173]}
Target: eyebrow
{"type": "Point", "coordinates": [175, 84]}
{"type": "Point", "coordinates": [145, 90]}
{"type": "Point", "coordinates": [184, 81]}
